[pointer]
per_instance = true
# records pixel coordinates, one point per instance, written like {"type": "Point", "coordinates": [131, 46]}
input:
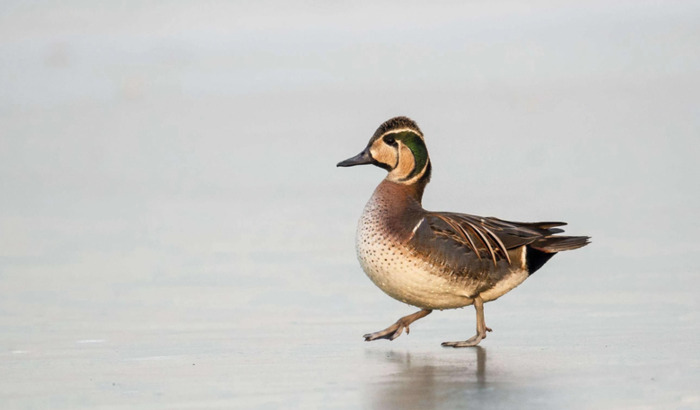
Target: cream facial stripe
{"type": "Point", "coordinates": [406, 163]}
{"type": "Point", "coordinates": [401, 130]}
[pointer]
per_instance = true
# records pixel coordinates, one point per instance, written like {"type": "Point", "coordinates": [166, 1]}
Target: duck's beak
{"type": "Point", "coordinates": [362, 158]}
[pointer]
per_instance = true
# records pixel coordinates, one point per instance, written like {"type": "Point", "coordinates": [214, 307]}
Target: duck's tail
{"type": "Point", "coordinates": [554, 244]}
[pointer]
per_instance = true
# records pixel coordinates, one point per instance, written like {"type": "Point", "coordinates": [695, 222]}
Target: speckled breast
{"type": "Point", "coordinates": [397, 270]}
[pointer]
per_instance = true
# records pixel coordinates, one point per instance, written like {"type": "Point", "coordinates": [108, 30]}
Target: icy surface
{"type": "Point", "coordinates": [174, 232]}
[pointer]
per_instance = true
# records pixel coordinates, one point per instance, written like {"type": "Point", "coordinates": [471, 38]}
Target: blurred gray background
{"type": "Point", "coordinates": [174, 232]}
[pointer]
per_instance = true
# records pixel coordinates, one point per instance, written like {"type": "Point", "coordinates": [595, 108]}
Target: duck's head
{"type": "Point", "coordinates": [397, 146]}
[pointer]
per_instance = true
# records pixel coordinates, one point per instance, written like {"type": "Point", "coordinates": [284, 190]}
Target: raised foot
{"type": "Point", "coordinates": [395, 330]}
{"type": "Point", "coordinates": [391, 333]}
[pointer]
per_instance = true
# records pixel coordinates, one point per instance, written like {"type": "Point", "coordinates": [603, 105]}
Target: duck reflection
{"type": "Point", "coordinates": [427, 381]}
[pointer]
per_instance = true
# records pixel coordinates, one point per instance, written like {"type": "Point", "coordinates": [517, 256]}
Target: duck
{"type": "Point", "coordinates": [439, 260]}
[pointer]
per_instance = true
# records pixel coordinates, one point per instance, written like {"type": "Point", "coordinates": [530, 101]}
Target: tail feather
{"type": "Point", "coordinates": [541, 225]}
{"type": "Point", "coordinates": [553, 244]}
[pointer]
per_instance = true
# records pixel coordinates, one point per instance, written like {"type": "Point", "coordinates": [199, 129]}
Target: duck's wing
{"type": "Point", "coordinates": [541, 236]}
{"type": "Point", "coordinates": [455, 237]}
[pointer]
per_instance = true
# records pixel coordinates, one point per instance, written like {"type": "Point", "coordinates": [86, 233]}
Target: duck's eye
{"type": "Point", "coordinates": [390, 140]}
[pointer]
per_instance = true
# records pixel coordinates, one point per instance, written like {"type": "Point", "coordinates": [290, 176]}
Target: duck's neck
{"type": "Point", "coordinates": [408, 195]}
{"type": "Point", "coordinates": [415, 189]}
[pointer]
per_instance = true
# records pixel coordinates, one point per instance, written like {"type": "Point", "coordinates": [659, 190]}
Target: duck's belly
{"type": "Point", "coordinates": [406, 277]}
{"type": "Point", "coordinates": [416, 286]}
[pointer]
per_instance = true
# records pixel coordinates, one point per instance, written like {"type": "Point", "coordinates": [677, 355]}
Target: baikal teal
{"type": "Point", "coordinates": [440, 260]}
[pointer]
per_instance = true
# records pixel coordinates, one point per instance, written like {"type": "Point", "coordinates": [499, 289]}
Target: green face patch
{"type": "Point", "coordinates": [415, 143]}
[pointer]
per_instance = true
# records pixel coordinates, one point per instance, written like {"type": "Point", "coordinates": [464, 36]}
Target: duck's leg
{"type": "Point", "coordinates": [481, 328]}
{"type": "Point", "coordinates": [395, 330]}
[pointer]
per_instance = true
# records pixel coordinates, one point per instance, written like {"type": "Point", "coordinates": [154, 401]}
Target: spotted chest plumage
{"type": "Point", "coordinates": [389, 261]}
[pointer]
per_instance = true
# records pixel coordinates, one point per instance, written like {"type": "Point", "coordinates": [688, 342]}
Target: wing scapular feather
{"type": "Point", "coordinates": [494, 237]}
{"type": "Point", "coordinates": [467, 227]}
